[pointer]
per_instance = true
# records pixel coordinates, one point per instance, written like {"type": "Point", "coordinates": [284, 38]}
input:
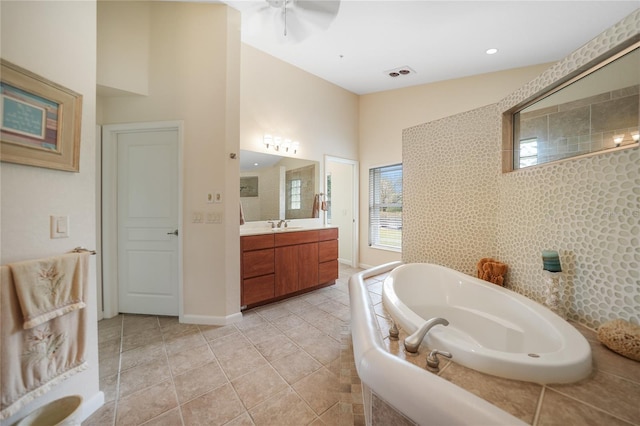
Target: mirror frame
{"type": "Point", "coordinates": [508, 137]}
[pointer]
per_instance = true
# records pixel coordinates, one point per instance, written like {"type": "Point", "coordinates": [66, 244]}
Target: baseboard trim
{"type": "Point", "coordinates": [365, 266]}
{"type": "Point", "coordinates": [92, 405]}
{"type": "Point", "coordinates": [211, 320]}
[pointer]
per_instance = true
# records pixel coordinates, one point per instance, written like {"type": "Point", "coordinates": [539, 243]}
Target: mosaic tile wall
{"type": "Point", "coordinates": [450, 198]}
{"type": "Point", "coordinates": [460, 207]}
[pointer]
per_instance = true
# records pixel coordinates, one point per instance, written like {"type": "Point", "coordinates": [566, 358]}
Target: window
{"type": "Point", "coordinates": [294, 190]}
{"type": "Point", "coordinates": [528, 152]}
{"type": "Point", "coordinates": [385, 206]}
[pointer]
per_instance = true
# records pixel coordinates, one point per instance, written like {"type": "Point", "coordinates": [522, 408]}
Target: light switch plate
{"type": "Point", "coordinates": [59, 226]}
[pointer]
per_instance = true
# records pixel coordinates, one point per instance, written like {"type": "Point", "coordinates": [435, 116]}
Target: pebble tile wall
{"type": "Point", "coordinates": [460, 207]}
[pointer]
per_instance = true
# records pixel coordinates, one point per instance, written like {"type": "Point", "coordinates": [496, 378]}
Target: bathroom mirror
{"type": "Point", "coordinates": [592, 111]}
{"type": "Point", "coordinates": [277, 187]}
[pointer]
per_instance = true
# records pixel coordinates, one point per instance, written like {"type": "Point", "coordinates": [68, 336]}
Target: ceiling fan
{"type": "Point", "coordinates": [290, 21]}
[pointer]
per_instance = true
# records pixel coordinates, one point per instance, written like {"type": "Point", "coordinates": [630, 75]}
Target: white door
{"type": "Point", "coordinates": [343, 175]}
{"type": "Point", "coordinates": [147, 221]}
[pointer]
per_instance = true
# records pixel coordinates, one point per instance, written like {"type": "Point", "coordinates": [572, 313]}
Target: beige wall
{"type": "Point", "coordinates": [194, 76]}
{"type": "Point", "coordinates": [280, 99]}
{"type": "Point", "coordinates": [56, 40]}
{"type": "Point", "coordinates": [384, 115]}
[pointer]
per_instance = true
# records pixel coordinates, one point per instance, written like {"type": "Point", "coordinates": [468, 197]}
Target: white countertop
{"type": "Point", "coordinates": [260, 230]}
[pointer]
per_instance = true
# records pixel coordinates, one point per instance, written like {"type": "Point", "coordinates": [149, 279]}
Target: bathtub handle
{"type": "Point", "coordinates": [432, 358]}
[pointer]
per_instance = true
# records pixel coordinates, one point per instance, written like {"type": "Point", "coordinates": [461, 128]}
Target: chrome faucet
{"type": "Point", "coordinates": [412, 343]}
{"type": "Point", "coordinates": [282, 221]}
{"type": "Point", "coordinates": [432, 359]}
{"type": "Point", "coordinates": [273, 223]}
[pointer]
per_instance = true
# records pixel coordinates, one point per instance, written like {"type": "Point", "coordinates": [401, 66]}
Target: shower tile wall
{"type": "Point", "coordinates": [459, 207]}
{"type": "Point", "coordinates": [583, 126]}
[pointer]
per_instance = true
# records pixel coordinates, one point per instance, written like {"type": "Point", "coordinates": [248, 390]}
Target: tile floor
{"type": "Point", "coordinates": [286, 363]}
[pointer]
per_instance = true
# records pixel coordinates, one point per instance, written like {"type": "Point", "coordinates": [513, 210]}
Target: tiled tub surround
{"type": "Point", "coordinates": [608, 397]}
{"type": "Point", "coordinates": [459, 207]}
{"type": "Point", "coordinates": [284, 363]}
{"type": "Point", "coordinates": [583, 126]}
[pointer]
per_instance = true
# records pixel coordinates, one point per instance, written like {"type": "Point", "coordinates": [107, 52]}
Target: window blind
{"type": "Point", "coordinates": [385, 206]}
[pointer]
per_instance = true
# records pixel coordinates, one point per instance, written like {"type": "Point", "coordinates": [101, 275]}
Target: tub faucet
{"type": "Point", "coordinates": [432, 359]}
{"type": "Point", "coordinates": [412, 343]}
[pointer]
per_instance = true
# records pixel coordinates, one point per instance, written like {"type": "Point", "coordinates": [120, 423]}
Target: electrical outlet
{"type": "Point", "coordinates": [217, 198]}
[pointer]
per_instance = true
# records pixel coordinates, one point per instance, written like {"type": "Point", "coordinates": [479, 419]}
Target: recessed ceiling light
{"type": "Point", "coordinates": [492, 51]}
{"type": "Point", "coordinates": [255, 164]}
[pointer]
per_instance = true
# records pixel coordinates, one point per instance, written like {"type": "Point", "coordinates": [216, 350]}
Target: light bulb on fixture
{"type": "Point", "coordinates": [635, 136]}
{"type": "Point", "coordinates": [286, 145]}
{"type": "Point", "coordinates": [617, 139]}
{"type": "Point", "coordinates": [277, 141]}
{"type": "Point", "coordinates": [267, 140]}
{"type": "Point", "coordinates": [294, 146]}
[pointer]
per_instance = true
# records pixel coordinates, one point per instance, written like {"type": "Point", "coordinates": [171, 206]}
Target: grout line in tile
{"type": "Point", "coordinates": [536, 415]}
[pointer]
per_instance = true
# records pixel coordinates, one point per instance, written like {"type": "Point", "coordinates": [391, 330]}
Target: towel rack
{"type": "Point", "coordinates": [83, 250]}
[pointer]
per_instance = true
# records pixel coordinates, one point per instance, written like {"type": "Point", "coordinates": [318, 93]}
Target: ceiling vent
{"type": "Point", "coordinates": [400, 71]}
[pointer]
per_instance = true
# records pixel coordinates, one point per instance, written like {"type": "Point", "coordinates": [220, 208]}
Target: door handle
{"type": "Point", "coordinates": [173, 233]}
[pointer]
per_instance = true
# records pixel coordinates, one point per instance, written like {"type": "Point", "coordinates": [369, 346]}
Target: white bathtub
{"type": "Point", "coordinates": [491, 329]}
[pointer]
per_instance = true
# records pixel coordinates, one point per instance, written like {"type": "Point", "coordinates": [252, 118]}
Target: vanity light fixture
{"type": "Point", "coordinates": [617, 139]}
{"type": "Point", "coordinates": [278, 142]}
{"type": "Point", "coordinates": [636, 136]}
{"type": "Point", "coordinates": [267, 140]}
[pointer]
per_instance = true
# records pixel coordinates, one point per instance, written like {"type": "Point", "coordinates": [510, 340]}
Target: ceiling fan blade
{"type": "Point", "coordinates": [328, 7]}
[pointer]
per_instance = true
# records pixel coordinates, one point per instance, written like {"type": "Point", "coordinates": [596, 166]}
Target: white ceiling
{"type": "Point", "coordinates": [440, 40]}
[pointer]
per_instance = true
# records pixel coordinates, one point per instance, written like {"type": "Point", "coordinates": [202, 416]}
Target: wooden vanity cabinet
{"type": "Point", "coordinates": [279, 265]}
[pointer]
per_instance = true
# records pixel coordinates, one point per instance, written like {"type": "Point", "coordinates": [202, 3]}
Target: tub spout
{"type": "Point", "coordinates": [412, 343]}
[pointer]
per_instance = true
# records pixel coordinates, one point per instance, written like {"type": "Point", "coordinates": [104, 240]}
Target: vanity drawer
{"type": "Point", "coordinates": [328, 271]}
{"type": "Point", "coordinates": [259, 289]}
{"type": "Point", "coordinates": [327, 250]}
{"type": "Point", "coordinates": [297, 237]}
{"type": "Point", "coordinates": [257, 262]}
{"type": "Point", "coordinates": [328, 234]}
{"type": "Point", "coordinates": [256, 242]}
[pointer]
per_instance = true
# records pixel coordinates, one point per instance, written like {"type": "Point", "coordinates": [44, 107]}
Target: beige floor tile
{"type": "Point", "coordinates": [285, 408]}
{"type": "Point", "coordinates": [189, 359]}
{"type": "Point", "coordinates": [336, 309]}
{"type": "Point", "coordinates": [217, 407]}
{"type": "Point", "coordinates": [296, 366]}
{"type": "Point", "coordinates": [608, 361]}
{"type": "Point", "coordinates": [375, 287]}
{"type": "Point", "coordinates": [249, 320]}
{"type": "Point", "coordinates": [288, 322]}
{"type": "Point", "coordinates": [319, 389]}
{"type": "Point", "coordinates": [518, 398]}
{"type": "Point", "coordinates": [258, 386]}
{"type": "Point", "coordinates": [213, 332]}
{"type": "Point", "coordinates": [324, 349]}
{"type": "Point", "coordinates": [242, 420]}
{"type": "Point", "coordinates": [108, 366]}
{"type": "Point", "coordinates": [230, 345]}
{"type": "Point", "coordinates": [277, 347]}
{"type": "Point", "coordinates": [109, 348]}
{"type": "Point", "coordinates": [314, 298]}
{"type": "Point", "coordinates": [142, 355]}
{"type": "Point", "coordinates": [559, 410]}
{"type": "Point", "coordinates": [175, 330]}
{"type": "Point", "coordinates": [136, 324]}
{"type": "Point", "coordinates": [199, 381]}
{"type": "Point", "coordinates": [607, 392]}
{"type": "Point", "coordinates": [170, 418]}
{"type": "Point", "coordinates": [167, 321]}
{"type": "Point", "coordinates": [183, 342]}
{"type": "Point", "coordinates": [110, 333]}
{"type": "Point", "coordinates": [110, 322]}
{"type": "Point", "coordinates": [261, 333]}
{"type": "Point", "coordinates": [242, 363]}
{"type": "Point", "coordinates": [271, 312]}
{"type": "Point", "coordinates": [306, 333]}
{"type": "Point", "coordinates": [141, 338]}
{"type": "Point", "coordinates": [339, 415]}
{"type": "Point", "coordinates": [104, 416]}
{"type": "Point", "coordinates": [146, 404]}
{"type": "Point", "coordinates": [143, 376]}
{"type": "Point", "coordinates": [297, 305]}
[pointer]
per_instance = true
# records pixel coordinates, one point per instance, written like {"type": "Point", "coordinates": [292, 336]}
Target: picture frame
{"type": "Point", "coordinates": [40, 121]}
